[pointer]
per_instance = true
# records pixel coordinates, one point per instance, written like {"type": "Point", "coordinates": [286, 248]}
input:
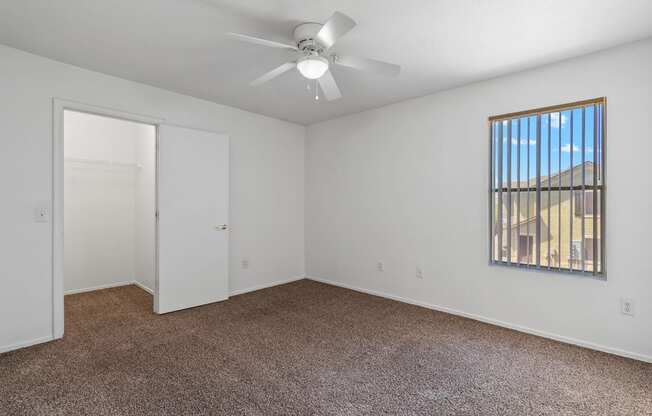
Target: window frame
{"type": "Point", "coordinates": [600, 274]}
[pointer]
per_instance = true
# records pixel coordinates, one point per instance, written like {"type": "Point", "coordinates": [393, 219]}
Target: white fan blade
{"type": "Point", "coordinates": [369, 65]}
{"type": "Point", "coordinates": [260, 41]}
{"type": "Point", "coordinates": [329, 86]}
{"type": "Point", "coordinates": [273, 73]}
{"type": "Point", "coordinates": [337, 26]}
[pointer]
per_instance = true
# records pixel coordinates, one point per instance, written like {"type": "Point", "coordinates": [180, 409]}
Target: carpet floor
{"type": "Point", "coordinates": [306, 348]}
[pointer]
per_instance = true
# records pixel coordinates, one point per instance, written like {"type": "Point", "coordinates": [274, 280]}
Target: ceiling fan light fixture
{"type": "Point", "coordinates": [312, 67]}
{"type": "Point", "coordinates": [312, 43]}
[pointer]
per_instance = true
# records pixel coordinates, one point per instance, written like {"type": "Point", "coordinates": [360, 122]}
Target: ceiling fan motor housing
{"type": "Point", "coordinates": [305, 36]}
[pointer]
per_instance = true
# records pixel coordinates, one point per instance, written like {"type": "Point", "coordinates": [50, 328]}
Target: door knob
{"type": "Point", "coordinates": [222, 227]}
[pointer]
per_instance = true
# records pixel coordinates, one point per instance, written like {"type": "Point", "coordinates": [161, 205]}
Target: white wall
{"type": "Point", "coordinates": [101, 201]}
{"type": "Point", "coordinates": [145, 204]}
{"type": "Point", "coordinates": [407, 184]}
{"type": "Point", "coordinates": [267, 182]}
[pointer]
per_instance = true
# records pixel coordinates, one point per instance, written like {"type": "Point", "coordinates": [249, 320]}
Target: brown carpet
{"type": "Point", "coordinates": [306, 348]}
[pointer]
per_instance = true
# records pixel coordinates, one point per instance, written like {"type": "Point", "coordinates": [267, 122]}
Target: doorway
{"type": "Point", "coordinates": [109, 203]}
{"type": "Point", "coordinates": [525, 249]}
{"type": "Point", "coordinates": [190, 221]}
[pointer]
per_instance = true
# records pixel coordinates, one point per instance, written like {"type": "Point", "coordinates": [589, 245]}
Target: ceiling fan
{"type": "Point", "coordinates": [313, 43]}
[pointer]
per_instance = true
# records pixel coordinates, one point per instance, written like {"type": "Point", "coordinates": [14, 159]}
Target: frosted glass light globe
{"type": "Point", "coordinates": [312, 67]}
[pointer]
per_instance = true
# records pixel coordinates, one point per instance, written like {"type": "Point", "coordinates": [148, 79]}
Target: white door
{"type": "Point", "coordinates": [193, 206]}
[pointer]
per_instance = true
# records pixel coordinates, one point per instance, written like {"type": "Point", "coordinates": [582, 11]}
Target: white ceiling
{"type": "Point", "coordinates": [180, 44]}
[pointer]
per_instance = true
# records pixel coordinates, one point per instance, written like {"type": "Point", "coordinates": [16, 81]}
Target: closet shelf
{"type": "Point", "coordinates": [100, 162]}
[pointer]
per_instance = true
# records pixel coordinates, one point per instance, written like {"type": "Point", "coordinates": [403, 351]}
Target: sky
{"type": "Point", "coordinates": [524, 131]}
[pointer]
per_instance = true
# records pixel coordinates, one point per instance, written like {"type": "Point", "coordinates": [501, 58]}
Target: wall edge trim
{"type": "Point", "coordinates": [492, 321]}
{"type": "Point", "coordinates": [100, 287]}
{"type": "Point", "coordinates": [25, 344]}
{"type": "Point", "coordinates": [142, 286]}
{"type": "Point", "coordinates": [265, 285]}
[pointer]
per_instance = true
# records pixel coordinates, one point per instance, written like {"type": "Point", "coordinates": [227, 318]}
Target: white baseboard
{"type": "Point", "coordinates": [151, 292]}
{"type": "Point", "coordinates": [90, 289]}
{"type": "Point", "coordinates": [265, 286]}
{"type": "Point", "coordinates": [24, 344]}
{"type": "Point", "coordinates": [515, 327]}
{"type": "Point", "coordinates": [145, 288]}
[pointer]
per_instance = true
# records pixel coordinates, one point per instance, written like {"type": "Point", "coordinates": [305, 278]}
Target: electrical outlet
{"type": "Point", "coordinates": [627, 306]}
{"type": "Point", "coordinates": [380, 266]}
{"type": "Point", "coordinates": [419, 273]}
{"type": "Point", "coordinates": [245, 264]}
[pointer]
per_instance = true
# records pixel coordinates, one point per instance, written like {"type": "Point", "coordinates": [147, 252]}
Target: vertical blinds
{"type": "Point", "coordinates": [547, 188]}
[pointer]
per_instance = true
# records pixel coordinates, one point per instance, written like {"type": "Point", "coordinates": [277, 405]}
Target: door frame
{"type": "Point", "coordinates": [58, 107]}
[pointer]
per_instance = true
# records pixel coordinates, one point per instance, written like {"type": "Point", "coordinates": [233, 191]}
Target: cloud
{"type": "Point", "coordinates": [524, 141]}
{"type": "Point", "coordinates": [554, 119]}
{"type": "Point", "coordinates": [566, 148]}
{"type": "Point", "coordinates": [576, 149]}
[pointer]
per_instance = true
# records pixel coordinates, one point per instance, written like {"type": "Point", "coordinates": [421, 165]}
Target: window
{"type": "Point", "coordinates": [547, 188]}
